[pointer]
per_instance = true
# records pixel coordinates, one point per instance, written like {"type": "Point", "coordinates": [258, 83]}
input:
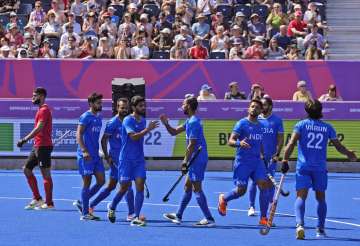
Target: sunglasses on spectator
{"type": "Point", "coordinates": [37, 6]}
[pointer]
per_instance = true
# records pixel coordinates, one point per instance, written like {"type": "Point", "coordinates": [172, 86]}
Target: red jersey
{"type": "Point", "coordinates": [298, 25]}
{"type": "Point", "coordinates": [43, 138]}
{"type": "Point", "coordinates": [198, 52]}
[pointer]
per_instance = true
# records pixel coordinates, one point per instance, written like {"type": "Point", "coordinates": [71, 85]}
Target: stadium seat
{"type": "Point", "coordinates": [242, 2]}
{"type": "Point", "coordinates": [151, 9]}
{"type": "Point", "coordinates": [54, 43]}
{"type": "Point", "coordinates": [161, 55]}
{"type": "Point", "coordinates": [217, 55]}
{"type": "Point", "coordinates": [206, 43]}
{"type": "Point", "coordinates": [318, 1]}
{"type": "Point", "coordinates": [4, 19]}
{"type": "Point", "coordinates": [27, 1]}
{"type": "Point", "coordinates": [262, 11]}
{"type": "Point", "coordinates": [46, 6]}
{"type": "Point", "coordinates": [273, 31]}
{"type": "Point", "coordinates": [24, 9]}
{"type": "Point", "coordinates": [225, 9]}
{"type": "Point", "coordinates": [119, 10]}
{"type": "Point", "coordinates": [243, 8]}
{"type": "Point", "coordinates": [22, 20]}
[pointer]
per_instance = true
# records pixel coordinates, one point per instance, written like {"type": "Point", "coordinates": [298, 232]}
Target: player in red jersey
{"type": "Point", "coordinates": [41, 152]}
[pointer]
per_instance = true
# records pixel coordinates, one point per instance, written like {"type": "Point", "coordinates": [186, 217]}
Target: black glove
{"type": "Point", "coordinates": [184, 168]}
{"type": "Point", "coordinates": [285, 167]}
{"type": "Point", "coordinates": [20, 143]}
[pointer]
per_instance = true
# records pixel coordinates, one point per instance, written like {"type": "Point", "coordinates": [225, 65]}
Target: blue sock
{"type": "Point", "coordinates": [139, 200]}
{"type": "Point", "coordinates": [252, 194]}
{"type": "Point", "coordinates": [85, 200]}
{"type": "Point", "coordinates": [321, 211]}
{"type": "Point", "coordinates": [299, 210]}
{"type": "Point", "coordinates": [264, 202]}
{"type": "Point", "coordinates": [271, 194]}
{"type": "Point", "coordinates": [183, 204]}
{"type": "Point", "coordinates": [116, 200]}
{"type": "Point", "coordinates": [94, 189]}
{"type": "Point", "coordinates": [201, 200]}
{"type": "Point", "coordinates": [103, 194]}
{"type": "Point", "coordinates": [231, 195]}
{"type": "Point", "coordinates": [130, 200]}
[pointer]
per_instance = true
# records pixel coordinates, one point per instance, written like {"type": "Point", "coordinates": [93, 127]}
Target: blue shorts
{"type": "Point", "coordinates": [130, 170]}
{"type": "Point", "coordinates": [243, 171]}
{"type": "Point", "coordinates": [317, 180]}
{"type": "Point", "coordinates": [95, 165]}
{"type": "Point", "coordinates": [197, 170]}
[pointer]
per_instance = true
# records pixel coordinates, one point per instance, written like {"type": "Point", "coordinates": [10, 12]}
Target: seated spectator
{"type": "Point", "coordinates": [123, 49]}
{"type": "Point", "coordinates": [198, 51]}
{"type": "Point", "coordinates": [70, 50]}
{"type": "Point", "coordinates": [274, 52]}
{"type": "Point", "coordinates": [163, 41]}
{"type": "Point", "coordinates": [237, 52]}
{"type": "Point", "coordinates": [240, 21]}
{"type": "Point", "coordinates": [30, 46]}
{"type": "Point", "coordinates": [298, 29]}
{"type": "Point", "coordinates": [37, 16]}
{"type": "Point", "coordinates": [14, 37]}
{"type": "Point", "coordinates": [220, 42]}
{"type": "Point", "coordinates": [256, 51]}
{"type": "Point", "coordinates": [201, 28]}
{"type": "Point", "coordinates": [37, 37]}
{"type": "Point", "coordinates": [205, 93]}
{"type": "Point", "coordinates": [256, 92]}
{"type": "Point", "coordinates": [293, 8]}
{"type": "Point", "coordinates": [256, 27]}
{"type": "Point", "coordinates": [69, 32]}
{"type": "Point", "coordinates": [314, 35]}
{"type": "Point", "coordinates": [331, 95]}
{"type": "Point", "coordinates": [219, 20]}
{"type": "Point", "coordinates": [185, 13]}
{"type": "Point", "coordinates": [234, 93]}
{"type": "Point", "coordinates": [184, 33]}
{"type": "Point", "coordinates": [276, 18]}
{"type": "Point", "coordinates": [206, 7]}
{"type": "Point", "coordinates": [114, 18]}
{"type": "Point", "coordinates": [128, 25]}
{"type": "Point", "coordinates": [90, 26]}
{"type": "Point", "coordinates": [46, 51]}
{"type": "Point", "coordinates": [133, 11]}
{"type": "Point", "coordinates": [283, 40]}
{"type": "Point", "coordinates": [59, 13]}
{"type": "Point", "coordinates": [179, 51]}
{"type": "Point", "coordinates": [144, 23]}
{"type": "Point", "coordinates": [237, 34]}
{"type": "Point", "coordinates": [293, 53]}
{"type": "Point", "coordinates": [13, 20]}
{"type": "Point", "coordinates": [108, 25]}
{"type": "Point", "coordinates": [93, 6]}
{"type": "Point", "coordinates": [302, 94]}
{"type": "Point", "coordinates": [51, 28]}
{"type": "Point", "coordinates": [71, 20]}
{"type": "Point", "coordinates": [104, 50]}
{"type": "Point", "coordinates": [79, 9]}
{"type": "Point", "coordinates": [161, 24]}
{"type": "Point", "coordinates": [166, 8]}
{"type": "Point", "coordinates": [5, 52]}
{"type": "Point", "coordinates": [87, 49]}
{"type": "Point", "coordinates": [9, 5]}
{"type": "Point", "coordinates": [313, 52]}
{"type": "Point", "coordinates": [140, 51]}
{"type": "Point", "coordinates": [311, 15]}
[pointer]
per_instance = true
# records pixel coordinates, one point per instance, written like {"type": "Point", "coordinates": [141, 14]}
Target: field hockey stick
{"type": "Point", "coordinates": [273, 181]}
{"type": "Point", "coordinates": [265, 230]}
{"type": "Point", "coordinates": [147, 192]}
{"type": "Point", "coordinates": [166, 197]}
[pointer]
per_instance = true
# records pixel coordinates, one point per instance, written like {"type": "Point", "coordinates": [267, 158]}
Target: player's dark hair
{"type": "Point", "coordinates": [41, 91]}
{"type": "Point", "coordinates": [268, 100]}
{"type": "Point", "coordinates": [123, 99]}
{"type": "Point", "coordinates": [256, 101]}
{"type": "Point", "coordinates": [314, 109]}
{"type": "Point", "coordinates": [135, 100]}
{"type": "Point", "coordinates": [92, 98]}
{"type": "Point", "coordinates": [193, 103]}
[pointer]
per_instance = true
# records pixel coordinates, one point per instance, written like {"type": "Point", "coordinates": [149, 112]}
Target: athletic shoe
{"type": "Point", "coordinates": [138, 222]}
{"type": "Point", "coordinates": [111, 214]}
{"type": "Point", "coordinates": [222, 205]}
{"type": "Point", "coordinates": [89, 217]}
{"type": "Point", "coordinates": [320, 233]}
{"type": "Point", "coordinates": [78, 206]}
{"type": "Point", "coordinates": [173, 218]}
{"type": "Point", "coordinates": [251, 211]}
{"type": "Point", "coordinates": [45, 207]}
{"type": "Point", "coordinates": [263, 221]}
{"type": "Point", "coordinates": [130, 217]}
{"type": "Point", "coordinates": [33, 204]}
{"type": "Point", "coordinates": [205, 223]}
{"type": "Point", "coordinates": [300, 232]}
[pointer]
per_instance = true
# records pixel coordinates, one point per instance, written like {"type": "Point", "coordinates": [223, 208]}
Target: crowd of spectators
{"type": "Point", "coordinates": [163, 29]}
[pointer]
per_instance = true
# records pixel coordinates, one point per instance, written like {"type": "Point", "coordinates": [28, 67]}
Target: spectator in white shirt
{"type": "Point", "coordinates": [140, 51]}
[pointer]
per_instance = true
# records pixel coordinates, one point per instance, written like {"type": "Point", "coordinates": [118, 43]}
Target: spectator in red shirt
{"type": "Point", "coordinates": [297, 27]}
{"type": "Point", "coordinates": [41, 152]}
{"type": "Point", "coordinates": [198, 51]}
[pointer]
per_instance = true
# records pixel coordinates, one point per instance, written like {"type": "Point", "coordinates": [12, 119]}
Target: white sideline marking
{"type": "Point", "coordinates": [176, 205]}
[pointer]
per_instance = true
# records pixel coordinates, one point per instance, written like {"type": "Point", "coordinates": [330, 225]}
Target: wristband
{"type": "Point", "coordinates": [237, 143]}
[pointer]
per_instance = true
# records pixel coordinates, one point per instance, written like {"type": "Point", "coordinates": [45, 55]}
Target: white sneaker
{"type": "Point", "coordinates": [205, 223]}
{"type": "Point", "coordinates": [138, 222]}
{"type": "Point", "coordinates": [251, 211]}
{"type": "Point", "coordinates": [33, 204]}
{"type": "Point", "coordinates": [300, 232]}
{"type": "Point", "coordinates": [173, 218]}
{"type": "Point", "coordinates": [45, 207]}
{"type": "Point", "coordinates": [78, 205]}
{"type": "Point", "coordinates": [89, 217]}
{"type": "Point", "coordinates": [320, 233]}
